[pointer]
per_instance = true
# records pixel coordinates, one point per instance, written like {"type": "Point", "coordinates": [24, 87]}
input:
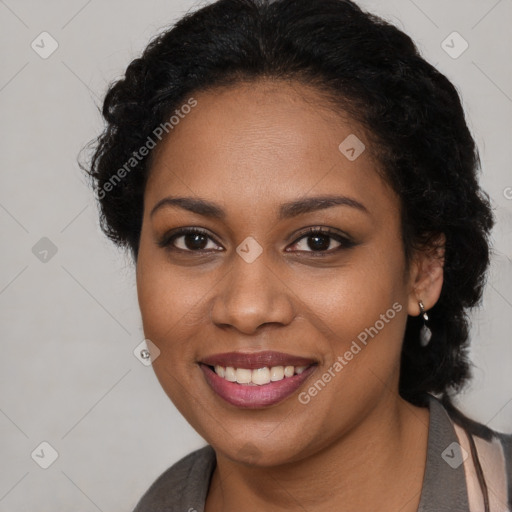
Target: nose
{"type": "Point", "coordinates": [250, 296]}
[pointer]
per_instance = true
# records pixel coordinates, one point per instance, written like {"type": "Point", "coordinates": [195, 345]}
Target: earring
{"type": "Point", "coordinates": [425, 332]}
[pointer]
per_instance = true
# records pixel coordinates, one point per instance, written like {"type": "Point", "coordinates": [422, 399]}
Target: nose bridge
{"type": "Point", "coordinates": [251, 294]}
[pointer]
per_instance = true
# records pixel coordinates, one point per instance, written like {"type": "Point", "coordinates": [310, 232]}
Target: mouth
{"type": "Point", "coordinates": [255, 380]}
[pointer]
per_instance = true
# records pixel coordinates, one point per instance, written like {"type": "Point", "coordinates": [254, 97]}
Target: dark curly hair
{"type": "Point", "coordinates": [366, 68]}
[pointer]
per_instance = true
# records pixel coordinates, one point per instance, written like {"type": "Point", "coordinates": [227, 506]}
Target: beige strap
{"type": "Point", "coordinates": [492, 461]}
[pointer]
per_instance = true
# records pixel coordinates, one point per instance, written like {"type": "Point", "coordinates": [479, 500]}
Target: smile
{"type": "Point", "coordinates": [259, 376]}
{"type": "Point", "coordinates": [255, 380]}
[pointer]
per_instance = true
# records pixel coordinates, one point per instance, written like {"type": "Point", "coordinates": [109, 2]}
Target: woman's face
{"type": "Point", "coordinates": [259, 165]}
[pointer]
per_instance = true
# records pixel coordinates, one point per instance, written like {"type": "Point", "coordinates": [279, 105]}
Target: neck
{"type": "Point", "coordinates": [379, 464]}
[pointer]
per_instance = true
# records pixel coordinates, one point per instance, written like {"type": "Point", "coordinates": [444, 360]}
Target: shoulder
{"type": "Point", "coordinates": [491, 457]}
{"type": "Point", "coordinates": [469, 465]}
{"type": "Point", "coordinates": [182, 485]}
{"type": "Point", "coordinates": [486, 456]}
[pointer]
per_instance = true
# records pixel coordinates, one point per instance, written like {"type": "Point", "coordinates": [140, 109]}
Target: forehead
{"type": "Point", "coordinates": [267, 140]}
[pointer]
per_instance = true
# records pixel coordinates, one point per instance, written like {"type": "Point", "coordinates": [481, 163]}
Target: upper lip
{"type": "Point", "coordinates": [253, 360]}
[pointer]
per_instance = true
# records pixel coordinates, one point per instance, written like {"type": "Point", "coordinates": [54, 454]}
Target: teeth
{"type": "Point", "coordinates": [276, 373]}
{"type": "Point", "coordinates": [288, 371]}
{"type": "Point", "coordinates": [230, 374]}
{"type": "Point", "coordinates": [243, 376]}
{"type": "Point", "coordinates": [220, 371]}
{"type": "Point", "coordinates": [259, 376]}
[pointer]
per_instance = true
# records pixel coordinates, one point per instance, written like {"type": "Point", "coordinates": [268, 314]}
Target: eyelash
{"type": "Point", "coordinates": [344, 241]}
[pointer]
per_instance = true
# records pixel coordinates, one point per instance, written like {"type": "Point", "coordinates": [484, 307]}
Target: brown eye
{"type": "Point", "coordinates": [322, 240]}
{"type": "Point", "coordinates": [189, 240]}
{"type": "Point", "coordinates": [318, 242]}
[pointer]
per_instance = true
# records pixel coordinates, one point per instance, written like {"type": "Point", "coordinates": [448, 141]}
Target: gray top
{"type": "Point", "coordinates": [184, 486]}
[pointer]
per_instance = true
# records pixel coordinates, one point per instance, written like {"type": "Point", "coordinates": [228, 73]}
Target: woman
{"type": "Point", "coordinates": [298, 189]}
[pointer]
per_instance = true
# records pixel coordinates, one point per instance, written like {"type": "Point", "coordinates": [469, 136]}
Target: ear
{"type": "Point", "coordinates": [426, 275]}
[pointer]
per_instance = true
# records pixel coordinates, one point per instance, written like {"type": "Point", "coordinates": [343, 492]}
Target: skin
{"type": "Point", "coordinates": [356, 445]}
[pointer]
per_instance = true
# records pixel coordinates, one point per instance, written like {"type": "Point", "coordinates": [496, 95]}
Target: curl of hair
{"type": "Point", "coordinates": [369, 69]}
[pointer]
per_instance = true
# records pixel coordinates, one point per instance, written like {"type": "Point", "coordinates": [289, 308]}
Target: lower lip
{"type": "Point", "coordinates": [253, 397]}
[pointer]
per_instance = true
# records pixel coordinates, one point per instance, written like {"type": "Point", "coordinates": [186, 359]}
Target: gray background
{"type": "Point", "coordinates": [70, 324]}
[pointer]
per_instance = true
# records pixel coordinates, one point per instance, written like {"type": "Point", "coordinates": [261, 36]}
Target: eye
{"type": "Point", "coordinates": [189, 240]}
{"type": "Point", "coordinates": [322, 240]}
{"type": "Point", "coordinates": [314, 240]}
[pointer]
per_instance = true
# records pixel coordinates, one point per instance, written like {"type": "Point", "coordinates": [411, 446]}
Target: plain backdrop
{"type": "Point", "coordinates": [69, 314]}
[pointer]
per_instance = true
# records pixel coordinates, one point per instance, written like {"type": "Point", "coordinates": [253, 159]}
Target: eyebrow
{"type": "Point", "coordinates": [286, 210]}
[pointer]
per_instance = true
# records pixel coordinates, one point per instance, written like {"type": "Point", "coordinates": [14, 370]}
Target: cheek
{"type": "Point", "coordinates": [166, 300]}
{"type": "Point", "coordinates": [170, 306]}
{"type": "Point", "coordinates": [361, 310]}
{"type": "Point", "coordinates": [168, 303]}
{"type": "Point", "coordinates": [169, 296]}
{"type": "Point", "coordinates": [350, 298]}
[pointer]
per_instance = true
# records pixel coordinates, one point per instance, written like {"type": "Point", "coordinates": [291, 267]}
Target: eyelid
{"type": "Point", "coordinates": [324, 230]}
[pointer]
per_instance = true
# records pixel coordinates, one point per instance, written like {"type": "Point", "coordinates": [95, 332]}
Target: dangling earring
{"type": "Point", "coordinates": [425, 332]}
